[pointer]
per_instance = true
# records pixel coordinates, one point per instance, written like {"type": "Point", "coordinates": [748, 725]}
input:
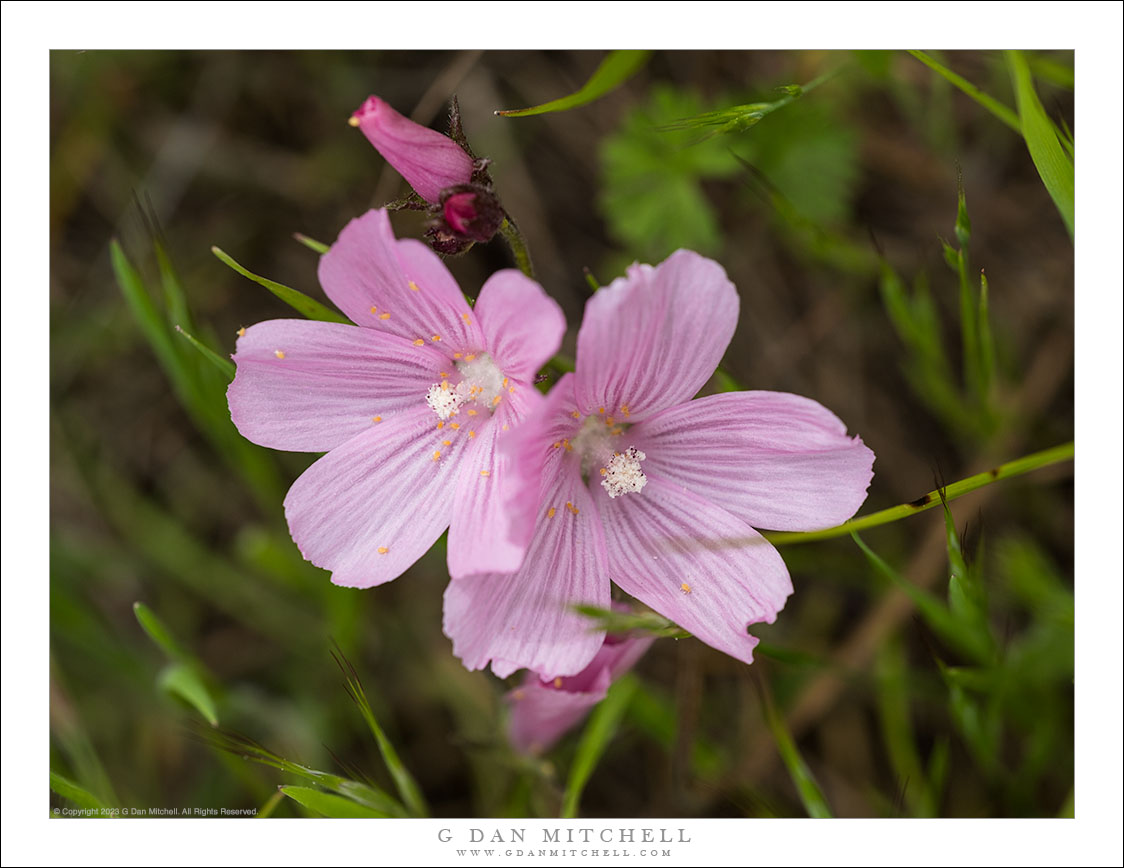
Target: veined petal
{"type": "Point", "coordinates": [370, 508]}
{"type": "Point", "coordinates": [400, 287]}
{"type": "Point", "coordinates": [487, 534]}
{"type": "Point", "coordinates": [307, 386]}
{"type": "Point", "coordinates": [776, 460]}
{"type": "Point", "coordinates": [652, 339]}
{"type": "Point", "coordinates": [694, 563]}
{"type": "Point", "coordinates": [428, 160]}
{"type": "Point", "coordinates": [523, 326]}
{"type": "Point", "coordinates": [525, 619]}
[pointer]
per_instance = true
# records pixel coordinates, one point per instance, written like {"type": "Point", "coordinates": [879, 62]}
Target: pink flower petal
{"type": "Point", "coordinates": [525, 619]}
{"type": "Point", "coordinates": [400, 287]}
{"type": "Point", "coordinates": [542, 714]}
{"type": "Point", "coordinates": [652, 339]}
{"type": "Point", "coordinates": [523, 326]}
{"type": "Point", "coordinates": [307, 386]}
{"type": "Point", "coordinates": [428, 160]}
{"type": "Point", "coordinates": [485, 535]}
{"type": "Point", "coordinates": [776, 460]}
{"type": "Point", "coordinates": [694, 563]}
{"type": "Point", "coordinates": [370, 508]}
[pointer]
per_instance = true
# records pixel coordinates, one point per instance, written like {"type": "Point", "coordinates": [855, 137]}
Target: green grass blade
{"type": "Point", "coordinates": [224, 365]}
{"type": "Point", "coordinates": [806, 786]}
{"type": "Point", "coordinates": [329, 804]}
{"type": "Point", "coordinates": [158, 632]}
{"type": "Point", "coordinates": [990, 103]}
{"type": "Point", "coordinates": [615, 69]}
{"type": "Point", "coordinates": [602, 726]}
{"type": "Point", "coordinates": [182, 680]}
{"type": "Point", "coordinates": [311, 243]}
{"type": "Point", "coordinates": [296, 299]}
{"type": "Point", "coordinates": [1053, 164]}
{"type": "Point", "coordinates": [897, 728]}
{"type": "Point", "coordinates": [82, 797]}
{"type": "Point", "coordinates": [408, 788]}
{"type": "Point", "coordinates": [987, 340]}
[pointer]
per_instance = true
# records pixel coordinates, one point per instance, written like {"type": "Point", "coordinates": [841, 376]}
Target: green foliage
{"type": "Point", "coordinates": [185, 677]}
{"type": "Point", "coordinates": [1054, 165]}
{"type": "Point", "coordinates": [82, 797]}
{"type": "Point", "coordinates": [617, 68]}
{"type": "Point", "coordinates": [330, 805]}
{"type": "Point", "coordinates": [626, 622]}
{"type": "Point", "coordinates": [598, 732]}
{"type": "Point", "coordinates": [807, 788]}
{"type": "Point", "coordinates": [296, 299]}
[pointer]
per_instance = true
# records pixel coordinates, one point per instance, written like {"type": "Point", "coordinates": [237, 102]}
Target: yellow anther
{"type": "Point", "coordinates": [444, 385]}
{"type": "Point", "coordinates": [557, 443]}
{"type": "Point", "coordinates": [444, 375]}
{"type": "Point", "coordinates": [604, 472]}
{"type": "Point", "coordinates": [609, 420]}
{"type": "Point", "coordinates": [685, 588]}
{"type": "Point", "coordinates": [415, 287]}
{"type": "Point", "coordinates": [376, 418]}
{"type": "Point", "coordinates": [435, 338]}
{"type": "Point", "coordinates": [624, 410]}
{"type": "Point", "coordinates": [575, 414]}
{"type": "Point", "coordinates": [471, 412]}
{"type": "Point", "coordinates": [571, 507]}
{"type": "Point", "coordinates": [354, 122]}
{"type": "Point", "coordinates": [279, 354]}
{"type": "Point", "coordinates": [466, 318]}
{"type": "Point", "coordinates": [440, 425]}
{"type": "Point", "coordinates": [511, 389]}
{"type": "Point", "coordinates": [455, 425]}
{"type": "Point", "coordinates": [601, 410]}
{"type": "Point", "coordinates": [470, 357]}
{"type": "Point", "coordinates": [382, 550]}
{"type": "Point", "coordinates": [374, 308]}
{"type": "Point", "coordinates": [557, 682]}
{"type": "Point", "coordinates": [566, 443]}
{"type": "Point", "coordinates": [505, 382]}
{"type": "Point", "coordinates": [457, 355]}
{"type": "Point", "coordinates": [471, 434]}
{"type": "Point", "coordinates": [550, 512]}
{"type": "Point", "coordinates": [504, 427]}
{"type": "Point", "coordinates": [437, 455]}
{"type": "Point", "coordinates": [485, 472]}
{"type": "Point", "coordinates": [242, 332]}
{"type": "Point", "coordinates": [385, 315]}
{"type": "Point", "coordinates": [419, 342]}
{"type": "Point", "coordinates": [616, 432]}
{"type": "Point", "coordinates": [518, 694]}
{"type": "Point", "coordinates": [497, 399]}
{"type": "Point", "coordinates": [446, 442]}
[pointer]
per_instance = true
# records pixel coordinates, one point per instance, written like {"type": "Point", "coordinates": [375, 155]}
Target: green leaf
{"type": "Point", "coordinates": [223, 364]}
{"type": "Point", "coordinates": [625, 622]}
{"type": "Point", "coordinates": [615, 70]}
{"type": "Point", "coordinates": [158, 632]}
{"type": "Point", "coordinates": [311, 243]}
{"type": "Point", "coordinates": [182, 680]}
{"type": "Point", "coordinates": [82, 797]}
{"type": "Point", "coordinates": [296, 299]}
{"type": "Point", "coordinates": [602, 726]}
{"type": "Point", "coordinates": [990, 103]}
{"type": "Point", "coordinates": [1054, 165]}
{"type": "Point", "coordinates": [329, 804]}
{"type": "Point", "coordinates": [806, 786]}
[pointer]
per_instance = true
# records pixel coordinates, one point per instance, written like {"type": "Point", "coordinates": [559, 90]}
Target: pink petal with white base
{"type": "Point", "coordinates": [776, 460]}
{"type": "Point", "coordinates": [370, 508]}
{"type": "Point", "coordinates": [652, 339]}
{"type": "Point", "coordinates": [694, 563]}
{"type": "Point", "coordinates": [400, 287]}
{"type": "Point", "coordinates": [308, 386]}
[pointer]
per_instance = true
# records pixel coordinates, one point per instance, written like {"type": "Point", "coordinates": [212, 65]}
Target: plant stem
{"type": "Point", "coordinates": [518, 247]}
{"type": "Point", "coordinates": [1045, 458]}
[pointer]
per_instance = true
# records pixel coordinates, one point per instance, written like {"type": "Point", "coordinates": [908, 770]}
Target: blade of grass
{"type": "Point", "coordinates": [329, 804]}
{"type": "Point", "coordinates": [82, 797]}
{"type": "Point", "coordinates": [224, 365]}
{"type": "Point", "coordinates": [615, 69]}
{"type": "Point", "coordinates": [296, 299]}
{"type": "Point", "coordinates": [1053, 164]}
{"type": "Point", "coordinates": [158, 632]}
{"type": "Point", "coordinates": [181, 679]}
{"type": "Point", "coordinates": [408, 788]}
{"type": "Point", "coordinates": [993, 105]}
{"type": "Point", "coordinates": [806, 787]}
{"type": "Point", "coordinates": [602, 726]}
{"type": "Point", "coordinates": [311, 243]}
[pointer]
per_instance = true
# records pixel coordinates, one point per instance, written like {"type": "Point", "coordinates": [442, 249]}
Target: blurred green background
{"type": "Point", "coordinates": [835, 214]}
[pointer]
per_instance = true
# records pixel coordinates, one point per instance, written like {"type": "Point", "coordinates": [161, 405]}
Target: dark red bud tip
{"type": "Point", "coordinates": [460, 212]}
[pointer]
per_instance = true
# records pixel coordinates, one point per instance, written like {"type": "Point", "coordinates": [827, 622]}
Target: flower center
{"type": "Point", "coordinates": [482, 383]}
{"type": "Point", "coordinates": [598, 442]}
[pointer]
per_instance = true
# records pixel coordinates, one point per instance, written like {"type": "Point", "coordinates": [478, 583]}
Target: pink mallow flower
{"type": "Point", "coordinates": [408, 404]}
{"type": "Point", "coordinates": [625, 478]}
{"type": "Point", "coordinates": [542, 711]}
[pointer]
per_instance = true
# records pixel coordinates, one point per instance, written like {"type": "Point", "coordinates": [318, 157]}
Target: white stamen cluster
{"type": "Point", "coordinates": [482, 383]}
{"type": "Point", "coordinates": [622, 475]}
